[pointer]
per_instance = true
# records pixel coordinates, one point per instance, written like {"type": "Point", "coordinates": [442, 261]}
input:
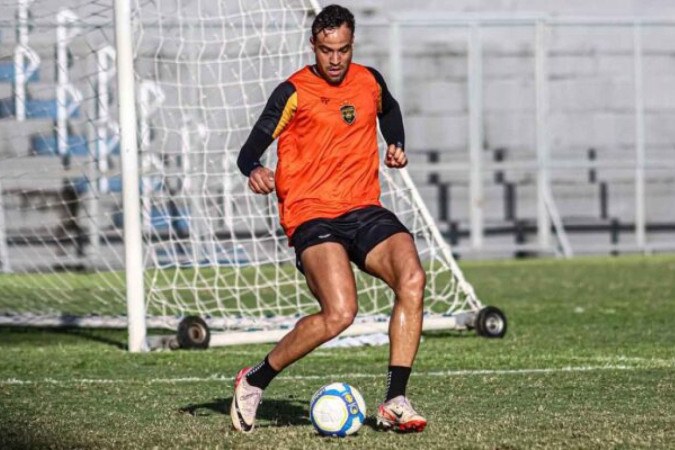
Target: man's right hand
{"type": "Point", "coordinates": [261, 180]}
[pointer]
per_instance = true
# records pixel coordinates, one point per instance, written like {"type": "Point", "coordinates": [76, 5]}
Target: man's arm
{"type": "Point", "coordinates": [278, 112]}
{"type": "Point", "coordinates": [391, 124]}
{"type": "Point", "coordinates": [253, 149]}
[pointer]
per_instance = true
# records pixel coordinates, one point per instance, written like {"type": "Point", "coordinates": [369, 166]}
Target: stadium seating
{"type": "Point", "coordinates": [592, 111]}
{"type": "Point", "coordinates": [7, 73]}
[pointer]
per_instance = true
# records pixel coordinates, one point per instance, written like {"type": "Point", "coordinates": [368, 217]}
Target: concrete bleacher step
{"type": "Point", "coordinates": [429, 194]}
{"type": "Point", "coordinates": [44, 184]}
{"type": "Point", "coordinates": [577, 200]}
{"type": "Point", "coordinates": [16, 134]}
{"type": "Point", "coordinates": [658, 200]}
{"type": "Point", "coordinates": [47, 145]}
{"type": "Point", "coordinates": [6, 90]}
{"type": "Point", "coordinates": [450, 203]}
{"type": "Point", "coordinates": [34, 173]}
{"type": "Point", "coordinates": [493, 204]}
{"type": "Point", "coordinates": [38, 217]}
{"type": "Point", "coordinates": [162, 219]}
{"type": "Point", "coordinates": [113, 183]}
{"type": "Point", "coordinates": [438, 166]}
{"type": "Point", "coordinates": [445, 131]}
{"type": "Point", "coordinates": [35, 108]}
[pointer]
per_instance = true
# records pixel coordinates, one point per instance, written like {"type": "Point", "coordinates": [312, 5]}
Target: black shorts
{"type": "Point", "coordinates": [358, 231]}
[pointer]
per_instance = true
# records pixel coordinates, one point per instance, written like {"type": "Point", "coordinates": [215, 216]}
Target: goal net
{"type": "Point", "coordinates": [203, 71]}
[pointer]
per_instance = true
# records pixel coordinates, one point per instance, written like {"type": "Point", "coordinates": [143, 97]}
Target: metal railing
{"type": "Point", "coordinates": [472, 26]}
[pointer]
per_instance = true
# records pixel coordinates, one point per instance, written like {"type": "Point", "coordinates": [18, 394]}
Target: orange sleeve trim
{"type": "Point", "coordinates": [287, 114]}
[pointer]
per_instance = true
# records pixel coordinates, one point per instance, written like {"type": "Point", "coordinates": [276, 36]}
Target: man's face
{"type": "Point", "coordinates": [333, 50]}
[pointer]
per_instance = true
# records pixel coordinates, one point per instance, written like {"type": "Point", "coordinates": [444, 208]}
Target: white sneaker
{"type": "Point", "coordinates": [398, 414]}
{"type": "Point", "coordinates": [245, 403]}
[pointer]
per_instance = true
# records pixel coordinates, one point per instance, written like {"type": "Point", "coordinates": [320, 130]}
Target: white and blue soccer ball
{"type": "Point", "coordinates": [337, 409]}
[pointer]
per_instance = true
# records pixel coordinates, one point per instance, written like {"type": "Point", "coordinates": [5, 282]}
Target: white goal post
{"type": "Point", "coordinates": [163, 102]}
{"type": "Point", "coordinates": [133, 238]}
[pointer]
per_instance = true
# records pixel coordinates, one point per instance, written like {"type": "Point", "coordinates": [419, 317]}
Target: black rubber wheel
{"type": "Point", "coordinates": [193, 333]}
{"type": "Point", "coordinates": [491, 323]}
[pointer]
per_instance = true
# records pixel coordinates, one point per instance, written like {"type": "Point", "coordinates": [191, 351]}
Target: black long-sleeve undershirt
{"type": "Point", "coordinates": [390, 118]}
{"type": "Point", "coordinates": [262, 134]}
{"type": "Point", "coordinates": [253, 149]}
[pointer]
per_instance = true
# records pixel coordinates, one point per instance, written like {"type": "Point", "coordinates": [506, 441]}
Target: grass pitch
{"type": "Point", "coordinates": [588, 362]}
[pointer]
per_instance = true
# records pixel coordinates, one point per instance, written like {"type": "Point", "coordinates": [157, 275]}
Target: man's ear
{"type": "Point", "coordinates": [312, 43]}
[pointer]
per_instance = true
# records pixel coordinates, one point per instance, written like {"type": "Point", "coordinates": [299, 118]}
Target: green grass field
{"type": "Point", "coordinates": [588, 362]}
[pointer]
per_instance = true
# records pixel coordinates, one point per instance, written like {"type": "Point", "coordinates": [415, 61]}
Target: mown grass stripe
{"type": "Point", "coordinates": [448, 373]}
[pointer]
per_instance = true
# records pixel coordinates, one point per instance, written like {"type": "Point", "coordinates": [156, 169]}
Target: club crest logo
{"type": "Point", "coordinates": [348, 114]}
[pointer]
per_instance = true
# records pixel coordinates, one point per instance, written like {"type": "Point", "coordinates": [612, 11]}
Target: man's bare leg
{"type": "Point", "coordinates": [330, 278]}
{"type": "Point", "coordinates": [395, 261]}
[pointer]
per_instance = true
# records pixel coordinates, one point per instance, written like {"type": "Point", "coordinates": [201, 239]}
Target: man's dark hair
{"type": "Point", "coordinates": [332, 16]}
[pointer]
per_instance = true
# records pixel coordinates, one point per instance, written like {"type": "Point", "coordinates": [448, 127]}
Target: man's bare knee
{"type": "Point", "coordinates": [339, 321]}
{"type": "Point", "coordinates": [410, 285]}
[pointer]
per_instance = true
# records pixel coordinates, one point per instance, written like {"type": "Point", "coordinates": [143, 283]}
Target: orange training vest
{"type": "Point", "coordinates": [328, 160]}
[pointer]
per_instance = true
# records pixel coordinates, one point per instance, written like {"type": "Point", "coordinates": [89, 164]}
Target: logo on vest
{"type": "Point", "coordinates": [348, 114]}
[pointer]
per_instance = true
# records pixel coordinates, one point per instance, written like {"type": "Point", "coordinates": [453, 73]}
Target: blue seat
{"type": "Point", "coordinates": [162, 220]}
{"type": "Point", "coordinates": [48, 145]}
{"type": "Point", "coordinates": [115, 184]}
{"type": "Point", "coordinates": [41, 109]}
{"type": "Point", "coordinates": [115, 150]}
{"type": "Point", "coordinates": [81, 184]}
{"type": "Point", "coordinates": [35, 109]}
{"type": "Point", "coordinates": [7, 73]}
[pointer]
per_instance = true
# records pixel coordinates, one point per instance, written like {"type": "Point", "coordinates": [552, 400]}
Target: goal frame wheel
{"type": "Point", "coordinates": [491, 323]}
{"type": "Point", "coordinates": [193, 333]}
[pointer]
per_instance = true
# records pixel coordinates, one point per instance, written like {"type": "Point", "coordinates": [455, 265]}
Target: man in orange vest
{"type": "Point", "coordinates": [325, 117]}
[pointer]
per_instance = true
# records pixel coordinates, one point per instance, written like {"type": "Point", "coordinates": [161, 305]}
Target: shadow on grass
{"type": "Point", "coordinates": [277, 412]}
{"type": "Point", "coordinates": [371, 422]}
{"type": "Point", "coordinates": [46, 335]}
{"type": "Point", "coordinates": [27, 435]}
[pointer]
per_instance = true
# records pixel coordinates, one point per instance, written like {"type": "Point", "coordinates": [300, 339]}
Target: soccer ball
{"type": "Point", "coordinates": [337, 409]}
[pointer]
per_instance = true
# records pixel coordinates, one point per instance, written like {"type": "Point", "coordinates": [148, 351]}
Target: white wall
{"type": "Point", "coordinates": [557, 7]}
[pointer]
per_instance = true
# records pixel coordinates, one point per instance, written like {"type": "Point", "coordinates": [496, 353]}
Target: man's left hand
{"type": "Point", "coordinates": [395, 157]}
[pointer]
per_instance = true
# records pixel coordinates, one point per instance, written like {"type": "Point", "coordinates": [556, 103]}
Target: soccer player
{"type": "Point", "coordinates": [325, 117]}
